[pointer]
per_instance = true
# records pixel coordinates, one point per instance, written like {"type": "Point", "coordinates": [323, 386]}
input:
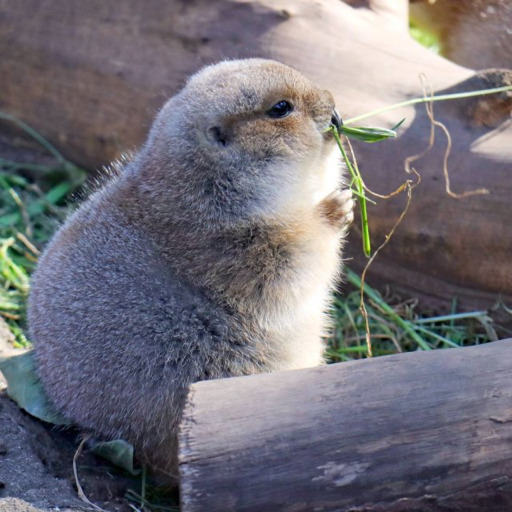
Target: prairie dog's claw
{"type": "Point", "coordinates": [338, 209]}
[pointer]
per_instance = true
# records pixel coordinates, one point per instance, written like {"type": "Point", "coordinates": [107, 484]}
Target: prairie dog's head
{"type": "Point", "coordinates": [250, 135]}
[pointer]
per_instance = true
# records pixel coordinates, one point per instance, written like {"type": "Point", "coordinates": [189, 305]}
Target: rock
{"type": "Point", "coordinates": [16, 505]}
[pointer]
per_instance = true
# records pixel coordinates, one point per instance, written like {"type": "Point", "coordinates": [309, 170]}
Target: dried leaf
{"type": "Point", "coordinates": [118, 452]}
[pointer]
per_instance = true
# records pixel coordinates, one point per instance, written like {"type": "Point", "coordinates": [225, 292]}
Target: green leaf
{"type": "Point", "coordinates": [25, 388]}
{"type": "Point", "coordinates": [368, 134]}
{"type": "Point", "coordinates": [397, 125]}
{"type": "Point", "coordinates": [58, 192]}
{"type": "Point", "coordinates": [119, 452]}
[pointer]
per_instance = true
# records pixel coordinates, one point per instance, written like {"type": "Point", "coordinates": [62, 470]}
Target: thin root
{"type": "Point", "coordinates": [429, 107]}
{"type": "Point", "coordinates": [409, 185]}
{"type": "Point", "coordinates": [81, 494]}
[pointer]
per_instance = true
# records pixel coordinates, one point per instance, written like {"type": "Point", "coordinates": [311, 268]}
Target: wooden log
{"type": "Point", "coordinates": [472, 33]}
{"type": "Point", "coordinates": [423, 431]}
{"type": "Point", "coordinates": [91, 75]}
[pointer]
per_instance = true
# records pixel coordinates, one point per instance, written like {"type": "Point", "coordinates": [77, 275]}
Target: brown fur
{"type": "Point", "coordinates": [200, 260]}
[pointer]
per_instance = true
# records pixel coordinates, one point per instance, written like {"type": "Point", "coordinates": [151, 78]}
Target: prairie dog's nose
{"type": "Point", "coordinates": [336, 120]}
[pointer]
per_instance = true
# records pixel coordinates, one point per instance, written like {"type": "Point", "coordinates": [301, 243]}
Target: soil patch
{"type": "Point", "coordinates": [36, 466]}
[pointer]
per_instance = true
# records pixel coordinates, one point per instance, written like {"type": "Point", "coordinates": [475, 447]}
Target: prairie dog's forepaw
{"type": "Point", "coordinates": [338, 209]}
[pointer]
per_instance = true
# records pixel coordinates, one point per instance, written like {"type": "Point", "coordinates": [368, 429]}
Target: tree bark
{"type": "Point", "coordinates": [90, 76]}
{"type": "Point", "coordinates": [423, 431]}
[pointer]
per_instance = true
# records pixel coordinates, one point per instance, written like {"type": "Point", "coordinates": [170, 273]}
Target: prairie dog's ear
{"type": "Point", "coordinates": [217, 135]}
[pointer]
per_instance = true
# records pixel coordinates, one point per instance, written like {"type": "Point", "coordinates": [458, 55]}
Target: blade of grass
{"type": "Point", "coordinates": [446, 318]}
{"type": "Point", "coordinates": [393, 315]}
{"type": "Point", "coordinates": [367, 133]}
{"type": "Point", "coordinates": [438, 337]}
{"type": "Point", "coordinates": [360, 194]}
{"type": "Point", "coordinates": [53, 196]}
{"type": "Point", "coordinates": [441, 97]}
{"type": "Point", "coordinates": [35, 135]}
{"type": "Point", "coordinates": [15, 166]}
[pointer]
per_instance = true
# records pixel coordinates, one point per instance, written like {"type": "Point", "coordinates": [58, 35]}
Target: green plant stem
{"type": "Point", "coordinates": [442, 97]}
{"type": "Point", "coordinates": [444, 318]}
{"type": "Point", "coordinates": [53, 196]}
{"type": "Point", "coordinates": [438, 337]}
{"type": "Point", "coordinates": [357, 181]}
{"type": "Point", "coordinates": [34, 134]}
{"type": "Point", "coordinates": [355, 280]}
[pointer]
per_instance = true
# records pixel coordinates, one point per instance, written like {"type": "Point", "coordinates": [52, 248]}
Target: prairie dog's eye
{"type": "Point", "coordinates": [280, 109]}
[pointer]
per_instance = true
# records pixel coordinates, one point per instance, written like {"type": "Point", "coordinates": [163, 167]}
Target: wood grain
{"type": "Point", "coordinates": [423, 431]}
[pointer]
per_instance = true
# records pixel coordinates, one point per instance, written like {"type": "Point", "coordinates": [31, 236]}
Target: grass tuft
{"type": "Point", "coordinates": [34, 199]}
{"type": "Point", "coordinates": [399, 325]}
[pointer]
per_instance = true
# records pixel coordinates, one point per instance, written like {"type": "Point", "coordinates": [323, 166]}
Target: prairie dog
{"type": "Point", "coordinates": [213, 254]}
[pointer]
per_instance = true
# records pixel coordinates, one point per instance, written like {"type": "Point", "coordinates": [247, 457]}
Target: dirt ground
{"type": "Point", "coordinates": [36, 468]}
{"type": "Point", "coordinates": [36, 463]}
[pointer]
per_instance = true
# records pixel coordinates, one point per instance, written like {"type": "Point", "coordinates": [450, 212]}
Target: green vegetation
{"type": "Point", "coordinates": [365, 323]}
{"type": "Point", "coordinates": [425, 37]}
{"type": "Point", "coordinates": [34, 199]}
{"type": "Point", "coordinates": [398, 325]}
{"type": "Point", "coordinates": [372, 135]}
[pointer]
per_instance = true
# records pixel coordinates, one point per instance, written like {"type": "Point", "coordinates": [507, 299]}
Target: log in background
{"type": "Point", "coordinates": [416, 432]}
{"type": "Point", "coordinates": [90, 76]}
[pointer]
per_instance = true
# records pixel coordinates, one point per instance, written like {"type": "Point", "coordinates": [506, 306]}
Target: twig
{"type": "Point", "coordinates": [23, 211]}
{"type": "Point", "coordinates": [81, 493]}
{"type": "Point", "coordinates": [27, 243]}
{"type": "Point", "coordinates": [409, 185]}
